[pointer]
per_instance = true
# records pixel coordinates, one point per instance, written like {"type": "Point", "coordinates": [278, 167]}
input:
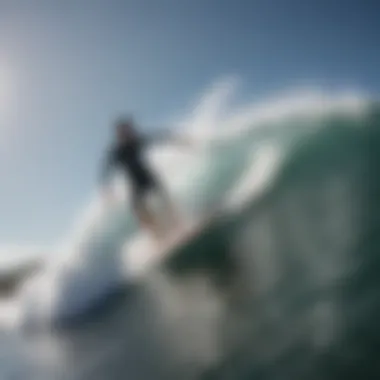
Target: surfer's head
{"type": "Point", "coordinates": [125, 129]}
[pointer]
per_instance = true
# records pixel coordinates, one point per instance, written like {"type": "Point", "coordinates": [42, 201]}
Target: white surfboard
{"type": "Point", "coordinates": [143, 254]}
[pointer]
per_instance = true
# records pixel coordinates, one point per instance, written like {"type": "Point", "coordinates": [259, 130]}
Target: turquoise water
{"type": "Point", "coordinates": [286, 287]}
{"type": "Point", "coordinates": [312, 259]}
{"type": "Point", "coordinates": [302, 263]}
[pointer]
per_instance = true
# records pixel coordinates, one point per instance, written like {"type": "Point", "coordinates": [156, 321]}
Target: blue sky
{"type": "Point", "coordinates": [67, 68]}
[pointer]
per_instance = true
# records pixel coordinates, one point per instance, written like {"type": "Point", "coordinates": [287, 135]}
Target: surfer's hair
{"type": "Point", "coordinates": [125, 122]}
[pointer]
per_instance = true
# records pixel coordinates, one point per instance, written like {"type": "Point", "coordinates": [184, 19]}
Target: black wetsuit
{"type": "Point", "coordinates": [128, 157]}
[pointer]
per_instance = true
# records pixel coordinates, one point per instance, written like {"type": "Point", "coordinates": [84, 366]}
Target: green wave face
{"type": "Point", "coordinates": [297, 268]}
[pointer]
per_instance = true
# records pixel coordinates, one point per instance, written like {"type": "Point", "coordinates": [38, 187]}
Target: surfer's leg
{"type": "Point", "coordinates": [143, 214]}
{"type": "Point", "coordinates": [174, 212]}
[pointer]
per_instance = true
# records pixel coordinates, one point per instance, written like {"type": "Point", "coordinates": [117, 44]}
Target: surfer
{"type": "Point", "coordinates": [127, 153]}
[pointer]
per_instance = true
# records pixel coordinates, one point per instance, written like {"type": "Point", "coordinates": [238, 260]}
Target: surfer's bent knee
{"type": "Point", "coordinates": [140, 197]}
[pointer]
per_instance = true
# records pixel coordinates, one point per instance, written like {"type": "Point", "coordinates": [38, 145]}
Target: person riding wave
{"type": "Point", "coordinates": [127, 153]}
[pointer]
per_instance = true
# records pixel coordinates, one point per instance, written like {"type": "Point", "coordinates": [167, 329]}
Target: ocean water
{"type": "Point", "coordinates": [283, 285]}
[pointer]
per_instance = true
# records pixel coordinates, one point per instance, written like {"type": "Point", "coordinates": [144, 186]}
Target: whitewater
{"type": "Point", "coordinates": [237, 160]}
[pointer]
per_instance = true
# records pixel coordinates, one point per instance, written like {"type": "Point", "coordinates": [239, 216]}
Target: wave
{"type": "Point", "coordinates": [287, 285]}
{"type": "Point", "coordinates": [307, 262]}
{"type": "Point", "coordinates": [236, 160]}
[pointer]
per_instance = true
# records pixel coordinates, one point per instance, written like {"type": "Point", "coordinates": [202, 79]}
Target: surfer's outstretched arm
{"type": "Point", "coordinates": [167, 136]}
